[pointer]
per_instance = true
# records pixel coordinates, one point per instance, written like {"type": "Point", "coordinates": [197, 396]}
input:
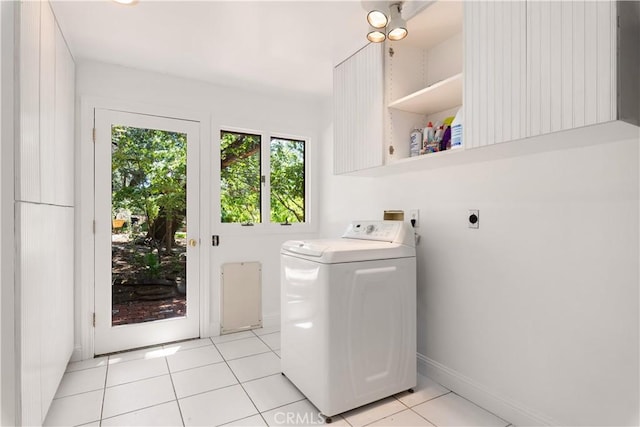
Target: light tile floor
{"type": "Point", "coordinates": [231, 380]}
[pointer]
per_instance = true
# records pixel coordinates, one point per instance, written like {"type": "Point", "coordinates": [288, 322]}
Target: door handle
{"type": "Point", "coordinates": [193, 243]}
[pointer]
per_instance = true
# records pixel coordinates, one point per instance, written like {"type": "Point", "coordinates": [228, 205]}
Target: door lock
{"type": "Point", "coordinates": [193, 243]}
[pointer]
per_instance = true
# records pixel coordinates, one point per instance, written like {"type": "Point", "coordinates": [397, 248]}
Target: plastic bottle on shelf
{"type": "Point", "coordinates": [456, 131]}
{"type": "Point", "coordinates": [416, 142]}
{"type": "Point", "coordinates": [438, 134]}
{"type": "Point", "coordinates": [427, 135]}
{"type": "Point", "coordinates": [445, 144]}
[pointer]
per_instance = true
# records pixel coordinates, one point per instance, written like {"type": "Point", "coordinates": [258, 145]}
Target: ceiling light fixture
{"type": "Point", "coordinates": [126, 2]}
{"type": "Point", "coordinates": [382, 26]}
{"type": "Point", "coordinates": [397, 28]}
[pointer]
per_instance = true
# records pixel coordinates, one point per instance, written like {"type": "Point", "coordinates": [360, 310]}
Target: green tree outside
{"type": "Point", "coordinates": [149, 178]}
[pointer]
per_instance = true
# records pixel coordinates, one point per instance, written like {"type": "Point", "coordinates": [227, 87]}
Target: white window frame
{"type": "Point", "coordinates": [266, 226]}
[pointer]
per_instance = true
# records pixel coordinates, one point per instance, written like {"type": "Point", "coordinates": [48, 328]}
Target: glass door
{"type": "Point", "coordinates": [146, 210]}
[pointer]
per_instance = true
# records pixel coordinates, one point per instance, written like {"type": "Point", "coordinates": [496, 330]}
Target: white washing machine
{"type": "Point", "coordinates": [349, 315]}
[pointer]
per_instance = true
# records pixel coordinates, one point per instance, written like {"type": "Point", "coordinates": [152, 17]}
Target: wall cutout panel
{"type": "Point", "coordinates": [241, 296]}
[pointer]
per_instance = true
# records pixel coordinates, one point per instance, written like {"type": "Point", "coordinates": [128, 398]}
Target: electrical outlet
{"type": "Point", "coordinates": [474, 218]}
{"type": "Point", "coordinates": [414, 217]}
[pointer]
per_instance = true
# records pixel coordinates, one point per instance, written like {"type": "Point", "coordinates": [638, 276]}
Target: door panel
{"type": "Point", "coordinates": [146, 210]}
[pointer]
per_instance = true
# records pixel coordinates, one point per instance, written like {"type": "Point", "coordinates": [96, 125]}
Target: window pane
{"type": "Point", "coordinates": [148, 229]}
{"type": "Point", "coordinates": [240, 189]}
{"type": "Point", "coordinates": [287, 181]}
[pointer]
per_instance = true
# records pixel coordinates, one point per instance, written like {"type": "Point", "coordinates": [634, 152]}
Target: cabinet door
{"type": "Point", "coordinates": [571, 60]}
{"type": "Point", "coordinates": [27, 186]}
{"type": "Point", "coordinates": [495, 72]}
{"type": "Point", "coordinates": [47, 105]}
{"type": "Point", "coordinates": [358, 95]}
{"type": "Point", "coordinates": [64, 123]}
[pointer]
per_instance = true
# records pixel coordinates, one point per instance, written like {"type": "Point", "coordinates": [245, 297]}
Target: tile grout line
{"type": "Point", "coordinates": [104, 390]}
{"type": "Point", "coordinates": [195, 367]}
{"type": "Point", "coordinates": [259, 378]}
{"type": "Point", "coordinates": [418, 404]}
{"type": "Point", "coordinates": [223, 387]}
{"type": "Point", "coordinates": [173, 386]}
{"type": "Point", "coordinates": [423, 417]}
{"type": "Point", "coordinates": [265, 343]}
{"type": "Point", "coordinates": [81, 369]}
{"type": "Point", "coordinates": [139, 379]}
{"type": "Point", "coordinates": [380, 419]}
{"type": "Point", "coordinates": [248, 355]}
{"type": "Point", "coordinates": [79, 393]}
{"type": "Point", "coordinates": [138, 409]}
{"type": "Point", "coordinates": [208, 391]}
{"type": "Point", "coordinates": [407, 407]}
{"type": "Point", "coordinates": [484, 409]}
{"type": "Point", "coordinates": [245, 392]}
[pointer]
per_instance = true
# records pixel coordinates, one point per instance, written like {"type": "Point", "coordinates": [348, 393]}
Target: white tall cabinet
{"type": "Point", "coordinates": [44, 209]}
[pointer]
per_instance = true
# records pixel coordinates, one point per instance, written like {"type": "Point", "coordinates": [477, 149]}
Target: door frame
{"type": "Point", "coordinates": [85, 214]}
{"type": "Point", "coordinates": [109, 338]}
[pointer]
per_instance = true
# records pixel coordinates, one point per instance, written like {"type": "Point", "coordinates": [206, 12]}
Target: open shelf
{"type": "Point", "coordinates": [439, 96]}
{"type": "Point", "coordinates": [557, 141]}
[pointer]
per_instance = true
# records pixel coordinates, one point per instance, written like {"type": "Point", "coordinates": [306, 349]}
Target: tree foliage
{"type": "Point", "coordinates": [287, 181]}
{"type": "Point", "coordinates": [240, 179]}
{"type": "Point", "coordinates": [240, 186]}
{"type": "Point", "coordinates": [149, 177]}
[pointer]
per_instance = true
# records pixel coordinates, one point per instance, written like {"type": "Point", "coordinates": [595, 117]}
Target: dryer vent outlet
{"type": "Point", "coordinates": [474, 218]}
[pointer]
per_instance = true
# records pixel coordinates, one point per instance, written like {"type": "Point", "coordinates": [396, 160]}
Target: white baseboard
{"type": "Point", "coordinates": [76, 354]}
{"type": "Point", "coordinates": [503, 407]}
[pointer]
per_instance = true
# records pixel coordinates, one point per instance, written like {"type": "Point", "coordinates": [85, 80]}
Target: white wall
{"type": "Point", "coordinates": [215, 106]}
{"type": "Point", "coordinates": [535, 314]}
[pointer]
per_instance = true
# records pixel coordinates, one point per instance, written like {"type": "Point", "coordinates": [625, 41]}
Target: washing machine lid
{"type": "Point", "coordinates": [332, 251]}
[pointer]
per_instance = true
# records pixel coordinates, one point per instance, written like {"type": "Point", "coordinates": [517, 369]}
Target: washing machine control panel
{"type": "Point", "coordinates": [374, 230]}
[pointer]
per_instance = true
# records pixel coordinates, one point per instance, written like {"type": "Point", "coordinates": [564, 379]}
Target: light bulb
{"type": "Point", "coordinates": [376, 36]}
{"type": "Point", "coordinates": [377, 19]}
{"type": "Point", "coordinates": [397, 33]}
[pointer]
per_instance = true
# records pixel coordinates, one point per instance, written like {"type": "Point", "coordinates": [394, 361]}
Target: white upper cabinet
{"type": "Point", "coordinates": [518, 69]}
{"type": "Point", "coordinates": [571, 71]}
{"type": "Point", "coordinates": [495, 72]}
{"type": "Point", "coordinates": [358, 105]}
{"type": "Point", "coordinates": [63, 173]}
{"type": "Point", "coordinates": [28, 154]}
{"type": "Point", "coordinates": [47, 87]}
{"type": "Point", "coordinates": [47, 104]}
{"type": "Point", "coordinates": [384, 91]}
{"type": "Point", "coordinates": [423, 75]}
{"type": "Point", "coordinates": [537, 67]}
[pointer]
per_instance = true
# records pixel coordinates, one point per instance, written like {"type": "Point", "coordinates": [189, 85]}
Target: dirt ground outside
{"type": "Point", "coordinates": [148, 283]}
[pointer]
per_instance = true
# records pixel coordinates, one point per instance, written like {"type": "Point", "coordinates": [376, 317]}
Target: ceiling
{"type": "Point", "coordinates": [277, 45]}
